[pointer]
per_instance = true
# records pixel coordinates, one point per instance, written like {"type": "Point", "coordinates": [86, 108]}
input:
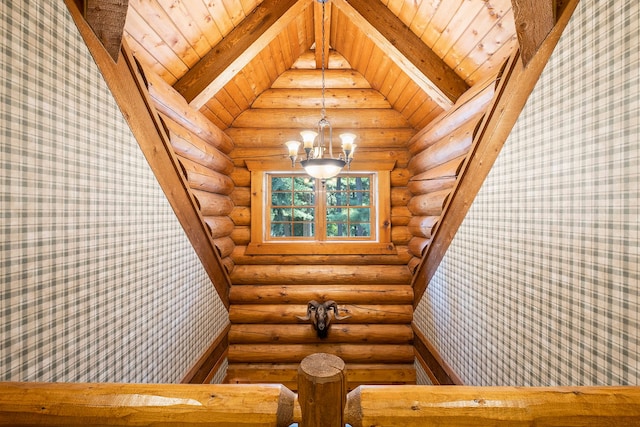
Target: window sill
{"type": "Point", "coordinates": [321, 248]}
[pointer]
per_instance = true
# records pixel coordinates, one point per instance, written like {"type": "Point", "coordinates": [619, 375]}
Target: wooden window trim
{"type": "Point", "coordinates": [382, 245]}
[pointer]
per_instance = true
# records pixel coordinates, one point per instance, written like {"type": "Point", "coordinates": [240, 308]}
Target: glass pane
{"type": "Point", "coordinates": [359, 198]}
{"type": "Point", "coordinates": [303, 199]}
{"type": "Point", "coordinates": [336, 215]}
{"type": "Point", "coordinates": [304, 183]}
{"type": "Point", "coordinates": [303, 229]}
{"type": "Point", "coordinates": [330, 184]}
{"type": "Point", "coordinates": [281, 214]}
{"type": "Point", "coordinates": [360, 230]}
{"type": "Point", "coordinates": [360, 183]}
{"type": "Point", "coordinates": [280, 230]}
{"type": "Point", "coordinates": [359, 215]}
{"type": "Point", "coordinates": [281, 199]}
{"type": "Point", "coordinates": [337, 229]}
{"type": "Point", "coordinates": [337, 199]}
{"type": "Point", "coordinates": [306, 214]}
{"type": "Point", "coordinates": [279, 183]}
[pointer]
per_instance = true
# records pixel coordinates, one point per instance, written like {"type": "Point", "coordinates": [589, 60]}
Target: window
{"type": "Point", "coordinates": [300, 207]}
{"type": "Point", "coordinates": [292, 213]}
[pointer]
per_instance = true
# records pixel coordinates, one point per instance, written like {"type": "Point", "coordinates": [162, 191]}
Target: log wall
{"type": "Point", "coordinates": [269, 291]}
{"type": "Point", "coordinates": [202, 151]}
{"type": "Point", "coordinates": [438, 155]}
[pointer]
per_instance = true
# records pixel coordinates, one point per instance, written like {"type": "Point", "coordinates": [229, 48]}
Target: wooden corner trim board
{"type": "Point", "coordinates": [129, 91]}
{"type": "Point", "coordinates": [439, 372]}
{"type": "Point", "coordinates": [514, 89]}
{"type": "Point", "coordinates": [207, 366]}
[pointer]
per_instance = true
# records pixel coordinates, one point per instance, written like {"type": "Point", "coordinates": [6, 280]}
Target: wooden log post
{"type": "Point", "coordinates": [322, 390]}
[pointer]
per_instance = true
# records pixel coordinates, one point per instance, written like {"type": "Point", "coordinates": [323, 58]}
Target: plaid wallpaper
{"type": "Point", "coordinates": [98, 281]}
{"type": "Point", "coordinates": [540, 286]}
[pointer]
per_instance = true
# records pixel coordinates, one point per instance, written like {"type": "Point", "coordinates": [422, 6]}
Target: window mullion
{"type": "Point", "coordinates": [321, 210]}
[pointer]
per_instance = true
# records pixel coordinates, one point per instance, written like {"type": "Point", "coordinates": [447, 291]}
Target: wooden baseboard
{"type": "Point", "coordinates": [209, 363]}
{"type": "Point", "coordinates": [436, 368]}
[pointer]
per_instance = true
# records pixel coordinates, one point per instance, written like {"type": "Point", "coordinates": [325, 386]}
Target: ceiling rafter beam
{"type": "Point", "coordinates": [237, 49]}
{"type": "Point", "coordinates": [106, 18]}
{"type": "Point", "coordinates": [534, 21]}
{"type": "Point", "coordinates": [421, 64]}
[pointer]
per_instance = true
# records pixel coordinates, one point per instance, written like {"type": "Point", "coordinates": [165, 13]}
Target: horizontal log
{"type": "Point", "coordinates": [272, 138]}
{"type": "Point", "coordinates": [312, 98]}
{"type": "Point", "coordinates": [333, 79]}
{"type": "Point", "coordinates": [452, 119]}
{"type": "Point", "coordinates": [241, 215]}
{"type": "Point", "coordinates": [220, 226]}
{"type": "Point", "coordinates": [449, 406]}
{"type": "Point", "coordinates": [287, 374]}
{"type": "Point", "coordinates": [212, 204]}
{"type": "Point", "coordinates": [400, 235]}
{"type": "Point", "coordinates": [170, 103]}
{"type": "Point", "coordinates": [202, 178]}
{"type": "Point", "coordinates": [400, 196]}
{"type": "Point", "coordinates": [191, 146]}
{"type": "Point", "coordinates": [417, 245]}
{"type": "Point", "coordinates": [305, 334]}
{"type": "Point", "coordinates": [400, 177]}
{"type": "Point", "coordinates": [421, 226]}
{"type": "Point", "coordinates": [430, 204]}
{"type": "Point", "coordinates": [294, 353]}
{"type": "Point", "coordinates": [442, 151]}
{"type": "Point", "coordinates": [241, 196]}
{"type": "Point", "coordinates": [414, 263]}
{"type": "Point", "coordinates": [241, 177]}
{"type": "Point", "coordinates": [307, 61]}
{"type": "Point", "coordinates": [401, 257]}
{"type": "Point", "coordinates": [424, 186]}
{"type": "Point", "coordinates": [241, 235]}
{"type": "Point", "coordinates": [69, 404]}
{"type": "Point", "coordinates": [307, 118]}
{"type": "Point", "coordinates": [320, 274]}
{"type": "Point", "coordinates": [225, 246]}
{"type": "Point", "coordinates": [448, 169]}
{"type": "Point", "coordinates": [400, 215]}
{"type": "Point", "coordinates": [301, 294]}
{"type": "Point", "coordinates": [362, 156]}
{"type": "Point", "coordinates": [287, 313]}
{"type": "Point", "coordinates": [228, 264]}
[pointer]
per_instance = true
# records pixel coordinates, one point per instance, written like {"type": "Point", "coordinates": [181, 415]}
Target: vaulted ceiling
{"type": "Point", "coordinates": [416, 57]}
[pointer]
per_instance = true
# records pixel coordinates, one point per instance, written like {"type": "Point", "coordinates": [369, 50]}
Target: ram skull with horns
{"type": "Point", "coordinates": [320, 316]}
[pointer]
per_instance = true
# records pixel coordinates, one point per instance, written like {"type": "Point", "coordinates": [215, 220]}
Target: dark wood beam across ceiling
{"type": "Point", "coordinates": [406, 49]}
{"type": "Point", "coordinates": [106, 18]}
{"type": "Point", "coordinates": [534, 20]}
{"type": "Point", "coordinates": [237, 49]}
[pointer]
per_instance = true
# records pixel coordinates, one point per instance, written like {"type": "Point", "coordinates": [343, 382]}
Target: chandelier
{"type": "Point", "coordinates": [319, 162]}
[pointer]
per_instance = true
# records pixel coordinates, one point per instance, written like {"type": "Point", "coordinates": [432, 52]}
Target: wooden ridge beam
{"type": "Point", "coordinates": [406, 49]}
{"type": "Point", "coordinates": [237, 49]}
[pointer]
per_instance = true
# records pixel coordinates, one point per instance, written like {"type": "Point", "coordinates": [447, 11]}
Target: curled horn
{"type": "Point", "coordinates": [331, 305]}
{"type": "Point", "coordinates": [312, 306]}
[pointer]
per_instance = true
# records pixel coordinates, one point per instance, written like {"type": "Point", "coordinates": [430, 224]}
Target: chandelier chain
{"type": "Point", "coordinates": [324, 111]}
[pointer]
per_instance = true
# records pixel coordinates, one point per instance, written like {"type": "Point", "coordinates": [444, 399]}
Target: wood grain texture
{"type": "Point", "coordinates": [516, 83]}
{"type": "Point", "coordinates": [58, 404]}
{"type": "Point", "coordinates": [106, 18]}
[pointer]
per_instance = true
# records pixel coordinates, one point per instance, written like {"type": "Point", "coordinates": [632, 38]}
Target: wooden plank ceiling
{"type": "Point", "coordinates": [375, 41]}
